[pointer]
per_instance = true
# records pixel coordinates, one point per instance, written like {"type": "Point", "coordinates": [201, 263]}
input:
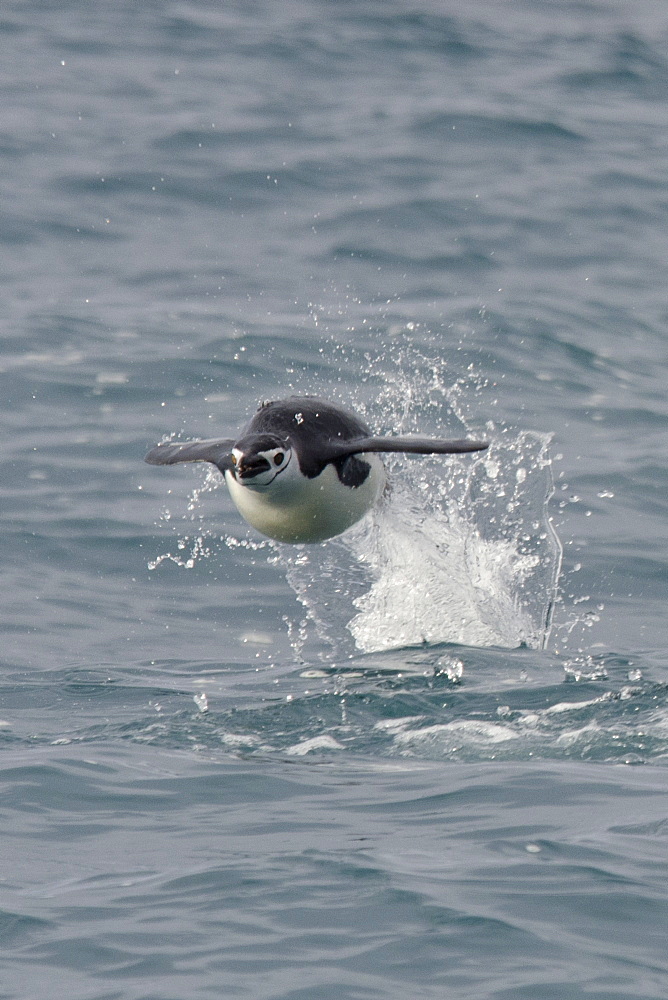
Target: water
{"type": "Point", "coordinates": [427, 758]}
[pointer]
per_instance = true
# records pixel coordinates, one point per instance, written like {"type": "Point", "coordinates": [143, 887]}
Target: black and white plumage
{"type": "Point", "coordinates": [303, 469]}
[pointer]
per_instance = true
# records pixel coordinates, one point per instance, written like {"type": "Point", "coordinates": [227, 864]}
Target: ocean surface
{"type": "Point", "coordinates": [428, 758]}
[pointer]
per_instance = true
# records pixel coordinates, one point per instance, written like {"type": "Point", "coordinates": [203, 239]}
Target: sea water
{"type": "Point", "coordinates": [426, 758]}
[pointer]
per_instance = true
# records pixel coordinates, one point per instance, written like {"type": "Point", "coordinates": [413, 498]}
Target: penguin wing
{"type": "Point", "coordinates": [412, 445]}
{"type": "Point", "coordinates": [215, 450]}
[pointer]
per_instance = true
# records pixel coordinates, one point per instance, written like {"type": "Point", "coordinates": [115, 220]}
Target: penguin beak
{"type": "Point", "coordinates": [248, 468]}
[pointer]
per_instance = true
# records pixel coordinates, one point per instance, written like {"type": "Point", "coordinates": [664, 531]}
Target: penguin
{"type": "Point", "coordinates": [303, 469]}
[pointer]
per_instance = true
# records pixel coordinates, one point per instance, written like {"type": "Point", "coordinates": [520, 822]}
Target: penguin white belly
{"type": "Point", "coordinates": [293, 508]}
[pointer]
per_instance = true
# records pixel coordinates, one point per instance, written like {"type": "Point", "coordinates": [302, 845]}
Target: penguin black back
{"type": "Point", "coordinates": [311, 425]}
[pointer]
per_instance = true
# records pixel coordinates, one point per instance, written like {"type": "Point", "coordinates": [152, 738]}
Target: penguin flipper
{"type": "Point", "coordinates": [218, 451]}
{"type": "Point", "coordinates": [410, 445]}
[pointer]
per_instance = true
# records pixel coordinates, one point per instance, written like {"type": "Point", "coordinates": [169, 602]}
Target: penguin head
{"type": "Point", "coordinates": [259, 459]}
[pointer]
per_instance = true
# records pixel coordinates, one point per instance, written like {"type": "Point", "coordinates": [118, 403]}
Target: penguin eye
{"type": "Point", "coordinates": [234, 459]}
{"type": "Point", "coordinates": [278, 458]}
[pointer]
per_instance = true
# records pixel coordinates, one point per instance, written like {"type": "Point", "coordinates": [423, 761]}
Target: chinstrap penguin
{"type": "Point", "coordinates": [303, 469]}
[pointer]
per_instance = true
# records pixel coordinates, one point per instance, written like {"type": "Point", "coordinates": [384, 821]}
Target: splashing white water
{"type": "Point", "coordinates": [442, 559]}
{"type": "Point", "coordinates": [460, 550]}
{"type": "Point", "coordinates": [438, 580]}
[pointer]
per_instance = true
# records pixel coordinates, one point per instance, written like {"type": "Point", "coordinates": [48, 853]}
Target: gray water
{"type": "Point", "coordinates": [425, 758]}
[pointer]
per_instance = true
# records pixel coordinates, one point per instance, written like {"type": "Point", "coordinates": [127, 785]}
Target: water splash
{"type": "Point", "coordinates": [422, 568]}
{"type": "Point", "coordinates": [200, 545]}
{"type": "Point", "coordinates": [189, 552]}
{"type": "Point", "coordinates": [461, 550]}
{"type": "Point", "coordinates": [439, 580]}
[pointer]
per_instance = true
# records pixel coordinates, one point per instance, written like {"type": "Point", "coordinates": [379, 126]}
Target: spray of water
{"type": "Point", "coordinates": [461, 550]}
{"type": "Point", "coordinates": [442, 559]}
